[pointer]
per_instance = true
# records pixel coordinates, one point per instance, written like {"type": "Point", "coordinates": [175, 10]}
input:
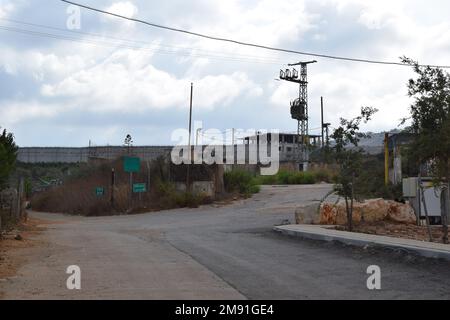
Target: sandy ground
{"type": "Point", "coordinates": [15, 253]}
{"type": "Point", "coordinates": [123, 265]}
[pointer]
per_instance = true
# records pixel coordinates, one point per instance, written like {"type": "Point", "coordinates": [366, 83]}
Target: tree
{"type": "Point", "coordinates": [8, 155]}
{"type": "Point", "coordinates": [128, 142]}
{"type": "Point", "coordinates": [349, 157]}
{"type": "Point", "coordinates": [430, 115]}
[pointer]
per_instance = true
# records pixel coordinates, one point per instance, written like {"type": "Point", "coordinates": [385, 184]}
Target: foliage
{"type": "Point", "coordinates": [430, 115]}
{"type": "Point", "coordinates": [349, 156]}
{"type": "Point", "coordinates": [370, 182]}
{"type": "Point", "coordinates": [284, 177]}
{"type": "Point", "coordinates": [240, 181]}
{"type": "Point", "coordinates": [8, 156]}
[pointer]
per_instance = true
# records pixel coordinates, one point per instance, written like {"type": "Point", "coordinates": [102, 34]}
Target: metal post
{"type": "Point", "coordinates": [445, 207]}
{"type": "Point", "coordinates": [113, 182]}
{"type": "Point", "coordinates": [386, 159]}
{"type": "Point", "coordinates": [321, 109]}
{"type": "Point", "coordinates": [148, 176]}
{"type": "Point", "coordinates": [188, 175]}
{"type": "Point", "coordinates": [131, 192]}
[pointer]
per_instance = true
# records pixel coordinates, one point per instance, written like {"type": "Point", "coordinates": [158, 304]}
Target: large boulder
{"type": "Point", "coordinates": [308, 214]}
{"type": "Point", "coordinates": [402, 213]}
{"type": "Point", "coordinates": [369, 211]}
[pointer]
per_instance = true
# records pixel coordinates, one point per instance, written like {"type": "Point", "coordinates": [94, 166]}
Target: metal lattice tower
{"type": "Point", "coordinates": [299, 108]}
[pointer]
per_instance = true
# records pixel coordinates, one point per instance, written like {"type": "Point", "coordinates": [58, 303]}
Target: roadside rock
{"type": "Point", "coordinates": [308, 214]}
{"type": "Point", "coordinates": [369, 211]}
{"type": "Point", "coordinates": [401, 213]}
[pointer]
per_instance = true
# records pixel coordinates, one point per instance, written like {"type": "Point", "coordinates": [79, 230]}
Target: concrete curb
{"type": "Point", "coordinates": [320, 233]}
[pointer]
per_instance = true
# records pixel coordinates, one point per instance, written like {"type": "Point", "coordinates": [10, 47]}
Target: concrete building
{"type": "Point", "coordinates": [288, 144]}
{"type": "Point", "coordinates": [85, 154]}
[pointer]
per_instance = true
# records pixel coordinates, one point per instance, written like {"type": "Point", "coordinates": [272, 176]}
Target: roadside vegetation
{"type": "Point", "coordinates": [8, 155]}
{"type": "Point", "coordinates": [77, 195]}
{"type": "Point", "coordinates": [284, 177]}
{"type": "Point", "coordinates": [242, 182]}
{"type": "Point", "coordinates": [246, 183]}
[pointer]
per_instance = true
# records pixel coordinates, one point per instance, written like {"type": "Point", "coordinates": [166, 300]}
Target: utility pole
{"type": "Point", "coordinates": [299, 109]}
{"type": "Point", "coordinates": [327, 134]}
{"type": "Point", "coordinates": [325, 127]}
{"type": "Point", "coordinates": [188, 175]}
{"type": "Point", "coordinates": [386, 159]}
{"type": "Point", "coordinates": [321, 112]}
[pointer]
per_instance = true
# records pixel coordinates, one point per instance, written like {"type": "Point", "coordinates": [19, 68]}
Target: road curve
{"type": "Point", "coordinates": [214, 252]}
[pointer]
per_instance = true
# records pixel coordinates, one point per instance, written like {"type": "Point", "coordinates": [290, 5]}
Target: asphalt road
{"type": "Point", "coordinates": [215, 252]}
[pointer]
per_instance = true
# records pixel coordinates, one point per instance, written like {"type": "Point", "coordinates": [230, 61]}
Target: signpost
{"type": "Point", "coordinates": [131, 165]}
{"type": "Point", "coordinates": [139, 188]}
{"type": "Point", "coordinates": [99, 191]}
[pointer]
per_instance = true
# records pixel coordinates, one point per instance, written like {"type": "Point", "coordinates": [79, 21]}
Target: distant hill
{"type": "Point", "coordinates": [374, 144]}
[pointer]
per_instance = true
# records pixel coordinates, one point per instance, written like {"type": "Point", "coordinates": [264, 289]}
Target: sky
{"type": "Point", "coordinates": [112, 77]}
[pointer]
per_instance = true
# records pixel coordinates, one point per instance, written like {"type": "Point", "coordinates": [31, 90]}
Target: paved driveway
{"type": "Point", "coordinates": [215, 252]}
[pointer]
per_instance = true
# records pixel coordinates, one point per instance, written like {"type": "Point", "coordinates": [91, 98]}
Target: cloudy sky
{"type": "Point", "coordinates": [61, 87]}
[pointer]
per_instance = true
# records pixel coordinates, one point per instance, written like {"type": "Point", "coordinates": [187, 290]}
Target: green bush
{"type": "Point", "coordinates": [240, 181]}
{"type": "Point", "coordinates": [295, 178]}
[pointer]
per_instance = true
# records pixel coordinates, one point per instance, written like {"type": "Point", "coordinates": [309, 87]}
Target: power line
{"type": "Point", "coordinates": [248, 44]}
{"type": "Point", "coordinates": [235, 58]}
{"type": "Point", "coordinates": [140, 42]}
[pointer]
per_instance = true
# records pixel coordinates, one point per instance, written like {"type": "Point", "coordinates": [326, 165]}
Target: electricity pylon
{"type": "Point", "coordinates": [299, 109]}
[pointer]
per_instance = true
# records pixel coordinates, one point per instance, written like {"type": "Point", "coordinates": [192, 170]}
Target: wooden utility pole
{"type": "Point", "coordinates": [188, 175]}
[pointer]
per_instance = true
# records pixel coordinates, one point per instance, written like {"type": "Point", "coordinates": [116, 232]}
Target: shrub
{"type": "Point", "coordinates": [295, 178]}
{"type": "Point", "coordinates": [240, 181]}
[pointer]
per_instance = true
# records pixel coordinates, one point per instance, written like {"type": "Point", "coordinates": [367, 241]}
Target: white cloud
{"type": "Point", "coordinates": [125, 8]}
{"type": "Point", "coordinates": [12, 112]}
{"type": "Point", "coordinates": [127, 79]}
{"type": "Point", "coordinates": [6, 8]}
{"type": "Point", "coordinates": [104, 81]}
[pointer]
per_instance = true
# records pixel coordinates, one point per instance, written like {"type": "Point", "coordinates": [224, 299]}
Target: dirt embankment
{"type": "Point", "coordinates": [398, 230]}
{"type": "Point", "coordinates": [12, 245]}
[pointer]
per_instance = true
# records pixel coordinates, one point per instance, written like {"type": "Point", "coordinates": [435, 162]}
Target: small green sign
{"type": "Point", "coordinates": [99, 191]}
{"type": "Point", "coordinates": [139, 188]}
{"type": "Point", "coordinates": [131, 164]}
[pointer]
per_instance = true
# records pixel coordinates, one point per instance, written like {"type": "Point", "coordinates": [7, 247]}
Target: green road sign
{"type": "Point", "coordinates": [131, 164]}
{"type": "Point", "coordinates": [99, 191]}
{"type": "Point", "coordinates": [139, 188]}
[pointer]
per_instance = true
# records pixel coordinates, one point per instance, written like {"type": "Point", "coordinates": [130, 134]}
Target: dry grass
{"type": "Point", "coordinates": [78, 197]}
